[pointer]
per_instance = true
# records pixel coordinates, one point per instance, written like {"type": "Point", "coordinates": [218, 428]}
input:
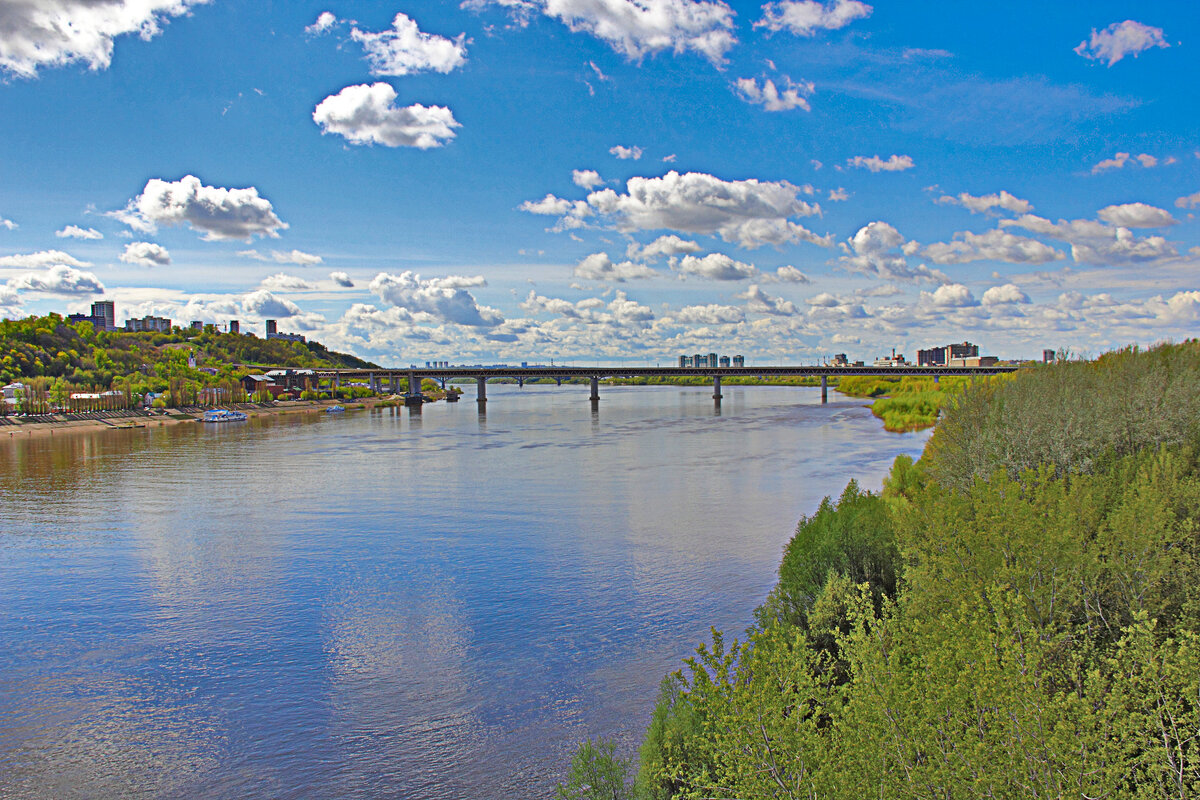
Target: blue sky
{"type": "Point", "coordinates": [521, 180]}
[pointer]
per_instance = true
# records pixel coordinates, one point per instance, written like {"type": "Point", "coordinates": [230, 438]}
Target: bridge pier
{"type": "Point", "coordinates": [371, 381]}
{"type": "Point", "coordinates": [717, 388]}
{"type": "Point", "coordinates": [481, 390]}
{"type": "Point", "coordinates": [442, 381]}
{"type": "Point", "coordinates": [558, 381]}
{"type": "Point", "coordinates": [395, 389]}
{"type": "Point", "coordinates": [824, 388]}
{"type": "Point", "coordinates": [520, 382]}
{"type": "Point", "coordinates": [414, 396]}
{"type": "Point", "coordinates": [595, 398]}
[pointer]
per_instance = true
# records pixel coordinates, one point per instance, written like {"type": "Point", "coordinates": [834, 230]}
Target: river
{"type": "Point", "coordinates": [387, 604]}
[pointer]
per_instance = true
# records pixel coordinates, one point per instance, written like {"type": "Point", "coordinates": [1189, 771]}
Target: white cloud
{"type": "Point", "coordinates": [365, 115]}
{"type": "Point", "coordinates": [282, 282]}
{"type": "Point", "coordinates": [993, 245]}
{"type": "Point", "coordinates": [716, 267]}
{"type": "Point", "coordinates": [405, 49]}
{"type": "Point", "coordinates": [599, 267]}
{"type": "Point", "coordinates": [872, 251]}
{"type": "Point", "coordinates": [1121, 159]}
{"type": "Point", "coordinates": [586, 178]}
{"type": "Point", "coordinates": [1095, 242]}
{"type": "Point", "coordinates": [219, 213]}
{"type": "Point", "coordinates": [770, 98]}
{"type": "Point", "coordinates": [341, 279]}
{"type": "Point", "coordinates": [1008, 294]}
{"type": "Point", "coordinates": [949, 295]}
{"type": "Point", "coordinates": [1136, 215]}
{"type": "Point", "coordinates": [1188, 201]}
{"type": "Point", "coordinates": [262, 303]}
{"type": "Point", "coordinates": [447, 298]}
{"type": "Point", "coordinates": [838, 195]}
{"type": "Point", "coordinates": [297, 257]}
{"type": "Point", "coordinates": [806, 17]}
{"type": "Point", "coordinates": [8, 224]}
{"type": "Point", "coordinates": [146, 254]}
{"type": "Point", "coordinates": [54, 33]}
{"type": "Point", "coordinates": [789, 274]}
{"type": "Point", "coordinates": [749, 212]}
{"type": "Point", "coordinates": [1121, 39]}
{"type": "Point", "coordinates": [75, 232]}
{"type": "Point", "coordinates": [759, 302]}
{"type": "Point", "coordinates": [9, 299]}
{"type": "Point", "coordinates": [42, 258]}
{"type": "Point", "coordinates": [59, 280]}
{"type": "Point", "coordinates": [894, 163]}
{"type": "Point", "coordinates": [636, 28]}
{"type": "Point", "coordinates": [668, 245]}
{"type": "Point", "coordinates": [985, 203]}
{"type": "Point", "coordinates": [626, 153]}
{"type": "Point", "coordinates": [324, 23]}
{"type": "Point", "coordinates": [710, 314]}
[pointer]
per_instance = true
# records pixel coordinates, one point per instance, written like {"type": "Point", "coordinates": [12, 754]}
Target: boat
{"type": "Point", "coordinates": [224, 415]}
{"type": "Point", "coordinates": [335, 409]}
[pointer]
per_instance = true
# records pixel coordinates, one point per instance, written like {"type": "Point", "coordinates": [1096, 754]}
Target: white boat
{"type": "Point", "coordinates": [335, 410]}
{"type": "Point", "coordinates": [224, 415]}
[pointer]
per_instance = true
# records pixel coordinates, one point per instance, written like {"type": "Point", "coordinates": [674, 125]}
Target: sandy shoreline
{"type": "Point", "coordinates": [25, 430]}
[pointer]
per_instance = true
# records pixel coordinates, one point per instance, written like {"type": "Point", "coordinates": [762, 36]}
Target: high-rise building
{"type": "Point", "coordinates": [271, 327]}
{"type": "Point", "coordinates": [1048, 357]}
{"type": "Point", "coordinates": [738, 361]}
{"type": "Point", "coordinates": [235, 326]}
{"type": "Point", "coordinates": [104, 315]}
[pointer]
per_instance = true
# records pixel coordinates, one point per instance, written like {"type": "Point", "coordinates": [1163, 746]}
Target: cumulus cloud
{"type": "Point", "coordinates": [406, 49]}
{"type": "Point", "coordinates": [446, 299]}
{"type": "Point", "coordinates": [994, 245]}
{"type": "Point", "coordinates": [262, 303]}
{"type": "Point", "coordinates": [771, 98]}
{"type": "Point", "coordinates": [324, 23]}
{"type": "Point", "coordinates": [1188, 201]}
{"type": "Point", "coordinates": [806, 17]}
{"type": "Point", "coordinates": [626, 153]}
{"type": "Point", "coordinates": [1128, 38]}
{"type": "Point", "coordinates": [879, 250]}
{"type": "Point", "coordinates": [985, 203]}
{"type": "Point", "coordinates": [53, 33]}
{"type": "Point", "coordinates": [949, 295]}
{"type": "Point", "coordinates": [282, 282]}
{"type": "Point", "coordinates": [789, 274]}
{"type": "Point", "coordinates": [1136, 215]}
{"type": "Point", "coordinates": [42, 258]}
{"type": "Point", "coordinates": [715, 267]}
{"type": "Point", "coordinates": [7, 224]}
{"type": "Point", "coordinates": [586, 178]}
{"type": "Point", "coordinates": [749, 212]}
{"type": "Point", "coordinates": [759, 302]}
{"type": "Point", "coordinates": [876, 164]}
{"type": "Point", "coordinates": [1008, 294]}
{"type": "Point", "coordinates": [710, 314]}
{"type": "Point", "coordinates": [599, 267]}
{"type": "Point", "coordinates": [668, 245]}
{"type": "Point", "coordinates": [1121, 159]}
{"type": "Point", "coordinates": [59, 279]}
{"type": "Point", "coordinates": [341, 279]}
{"type": "Point", "coordinates": [366, 115]}
{"type": "Point", "coordinates": [838, 195]}
{"type": "Point", "coordinates": [75, 232]}
{"type": "Point", "coordinates": [1095, 242]}
{"type": "Point", "coordinates": [636, 28]}
{"type": "Point", "coordinates": [146, 254]}
{"type": "Point", "coordinates": [219, 213]}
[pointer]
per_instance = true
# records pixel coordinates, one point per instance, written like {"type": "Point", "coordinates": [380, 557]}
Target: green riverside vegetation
{"type": "Point", "coordinates": [1016, 614]}
{"type": "Point", "coordinates": [55, 358]}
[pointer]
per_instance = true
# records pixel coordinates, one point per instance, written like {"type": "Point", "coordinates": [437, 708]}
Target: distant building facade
{"type": "Point", "coordinates": [271, 328]}
{"type": "Point", "coordinates": [155, 324]}
{"type": "Point", "coordinates": [710, 361]}
{"type": "Point", "coordinates": [942, 356]}
{"type": "Point", "coordinates": [235, 326]}
{"type": "Point", "coordinates": [103, 316]}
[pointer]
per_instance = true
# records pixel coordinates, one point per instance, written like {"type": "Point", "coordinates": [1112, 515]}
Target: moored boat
{"type": "Point", "coordinates": [224, 415]}
{"type": "Point", "coordinates": [335, 409]}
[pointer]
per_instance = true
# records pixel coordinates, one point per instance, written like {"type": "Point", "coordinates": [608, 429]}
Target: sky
{"type": "Point", "coordinates": [498, 181]}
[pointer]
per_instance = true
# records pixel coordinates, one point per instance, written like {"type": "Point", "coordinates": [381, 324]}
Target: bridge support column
{"type": "Point", "coordinates": [442, 381]}
{"type": "Point", "coordinates": [520, 383]}
{"type": "Point", "coordinates": [824, 388]}
{"type": "Point", "coordinates": [595, 398]}
{"type": "Point", "coordinates": [414, 397]}
{"type": "Point", "coordinates": [481, 390]}
{"type": "Point", "coordinates": [716, 387]}
{"type": "Point", "coordinates": [371, 381]}
{"type": "Point", "coordinates": [558, 381]}
{"type": "Point", "coordinates": [395, 384]}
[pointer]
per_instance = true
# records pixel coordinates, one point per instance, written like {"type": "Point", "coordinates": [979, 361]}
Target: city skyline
{"type": "Point", "coordinates": [507, 180]}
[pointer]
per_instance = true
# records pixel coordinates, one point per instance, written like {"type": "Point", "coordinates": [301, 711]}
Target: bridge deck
{"type": "Point", "coordinates": [654, 372]}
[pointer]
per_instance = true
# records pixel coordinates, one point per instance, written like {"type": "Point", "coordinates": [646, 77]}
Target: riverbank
{"type": "Point", "coordinates": [66, 424]}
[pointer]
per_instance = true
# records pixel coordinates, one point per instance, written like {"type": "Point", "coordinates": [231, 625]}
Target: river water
{"type": "Point", "coordinates": [388, 604]}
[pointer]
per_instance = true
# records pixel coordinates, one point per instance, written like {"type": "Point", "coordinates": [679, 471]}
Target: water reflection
{"type": "Point", "coordinates": [417, 605]}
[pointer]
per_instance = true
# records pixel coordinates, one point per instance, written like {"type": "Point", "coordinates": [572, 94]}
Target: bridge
{"type": "Point", "coordinates": [378, 379]}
